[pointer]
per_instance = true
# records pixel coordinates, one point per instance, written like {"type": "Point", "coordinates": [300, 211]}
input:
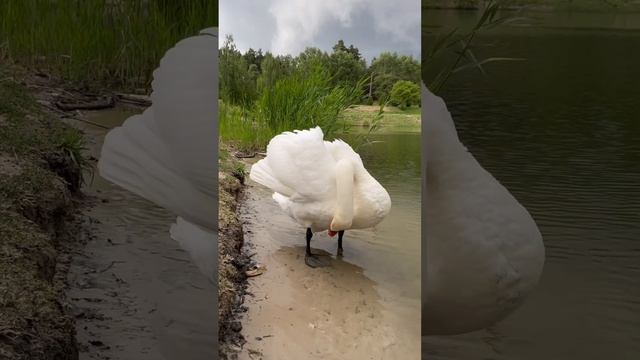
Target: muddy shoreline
{"type": "Point", "coordinates": [39, 223]}
{"type": "Point", "coordinates": [91, 272]}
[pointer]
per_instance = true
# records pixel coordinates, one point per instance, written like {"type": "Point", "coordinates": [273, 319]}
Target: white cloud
{"type": "Point", "coordinates": [288, 26]}
{"type": "Point", "coordinates": [298, 22]}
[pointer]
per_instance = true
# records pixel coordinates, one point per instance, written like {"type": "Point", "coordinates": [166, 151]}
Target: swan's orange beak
{"type": "Point", "coordinates": [332, 233]}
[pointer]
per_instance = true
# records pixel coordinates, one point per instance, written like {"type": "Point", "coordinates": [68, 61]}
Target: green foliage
{"type": "Point", "coordinates": [345, 64]}
{"type": "Point", "coordinates": [274, 68]}
{"type": "Point", "coordinates": [238, 127]}
{"type": "Point", "coordinates": [312, 58]}
{"type": "Point", "coordinates": [405, 94]}
{"type": "Point", "coordinates": [253, 57]}
{"type": "Point", "coordinates": [388, 68]}
{"type": "Point", "coordinates": [264, 94]}
{"type": "Point", "coordinates": [368, 100]}
{"type": "Point", "coordinates": [73, 145]}
{"type": "Point", "coordinates": [113, 43]}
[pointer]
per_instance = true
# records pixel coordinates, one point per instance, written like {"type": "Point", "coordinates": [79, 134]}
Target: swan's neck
{"type": "Point", "coordinates": [443, 145]}
{"type": "Point", "coordinates": [345, 178]}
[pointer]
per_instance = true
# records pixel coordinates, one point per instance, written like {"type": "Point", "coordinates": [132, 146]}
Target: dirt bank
{"type": "Point", "coordinates": [233, 259]}
{"type": "Point", "coordinates": [38, 201]}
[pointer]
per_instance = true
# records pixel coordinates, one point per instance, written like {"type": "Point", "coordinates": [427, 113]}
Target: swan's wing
{"type": "Point", "coordinates": [168, 154]}
{"type": "Point", "coordinates": [300, 162]}
{"type": "Point", "coordinates": [341, 150]}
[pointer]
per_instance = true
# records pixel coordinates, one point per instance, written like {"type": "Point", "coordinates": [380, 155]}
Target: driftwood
{"type": "Point", "coordinates": [139, 100]}
{"type": "Point", "coordinates": [242, 155]}
{"type": "Point", "coordinates": [98, 104]}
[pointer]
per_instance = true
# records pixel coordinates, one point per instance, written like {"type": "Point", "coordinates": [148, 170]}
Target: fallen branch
{"type": "Point", "coordinates": [103, 103]}
{"type": "Point", "coordinates": [139, 100]}
{"type": "Point", "coordinates": [242, 155]}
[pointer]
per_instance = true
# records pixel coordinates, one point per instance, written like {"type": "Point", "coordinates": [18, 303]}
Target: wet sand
{"type": "Point", "coordinates": [297, 312]}
{"type": "Point", "coordinates": [134, 292]}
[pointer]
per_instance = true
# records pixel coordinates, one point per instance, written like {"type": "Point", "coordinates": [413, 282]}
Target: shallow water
{"type": "Point", "coordinates": [135, 292]}
{"type": "Point", "coordinates": [561, 132]}
{"type": "Point", "coordinates": [365, 305]}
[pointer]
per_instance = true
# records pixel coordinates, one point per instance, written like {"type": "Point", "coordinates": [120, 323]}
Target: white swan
{"type": "Point", "coordinates": [168, 154]}
{"type": "Point", "coordinates": [322, 185]}
{"type": "Point", "coordinates": [484, 252]}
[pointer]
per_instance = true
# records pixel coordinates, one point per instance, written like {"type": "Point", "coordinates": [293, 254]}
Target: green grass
{"type": "Point", "coordinates": [107, 42]}
{"type": "Point", "coordinates": [30, 134]}
{"type": "Point", "coordinates": [361, 117]}
{"type": "Point", "coordinates": [239, 129]}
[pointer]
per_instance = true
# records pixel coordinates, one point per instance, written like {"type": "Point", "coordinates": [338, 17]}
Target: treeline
{"type": "Point", "coordinates": [244, 77]}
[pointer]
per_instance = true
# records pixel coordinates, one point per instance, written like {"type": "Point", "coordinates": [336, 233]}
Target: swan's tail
{"type": "Point", "coordinates": [201, 244]}
{"type": "Point", "coordinates": [262, 174]}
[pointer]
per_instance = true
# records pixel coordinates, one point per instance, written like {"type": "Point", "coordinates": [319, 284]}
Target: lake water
{"type": "Point", "coordinates": [561, 130]}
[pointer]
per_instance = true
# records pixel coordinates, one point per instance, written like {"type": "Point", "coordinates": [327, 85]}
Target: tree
{"type": "Point", "coordinates": [389, 68]}
{"type": "Point", "coordinates": [312, 58]}
{"type": "Point", "coordinates": [237, 83]}
{"type": "Point", "coordinates": [346, 65]}
{"type": "Point", "coordinates": [254, 57]}
{"type": "Point", "coordinates": [274, 68]}
{"type": "Point", "coordinates": [404, 94]}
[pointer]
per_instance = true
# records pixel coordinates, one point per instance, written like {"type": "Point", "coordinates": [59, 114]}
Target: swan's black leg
{"type": "Point", "coordinates": [309, 235]}
{"type": "Point", "coordinates": [310, 259]}
{"type": "Point", "coordinates": [340, 235]}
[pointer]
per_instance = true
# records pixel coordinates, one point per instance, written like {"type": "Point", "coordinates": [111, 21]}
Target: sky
{"type": "Point", "coordinates": [289, 26]}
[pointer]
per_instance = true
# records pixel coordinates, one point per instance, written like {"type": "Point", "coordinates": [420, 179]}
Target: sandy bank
{"type": "Point", "coordinates": [296, 312]}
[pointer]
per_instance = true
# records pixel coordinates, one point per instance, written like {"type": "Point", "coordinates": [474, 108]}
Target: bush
{"type": "Point", "coordinates": [405, 94]}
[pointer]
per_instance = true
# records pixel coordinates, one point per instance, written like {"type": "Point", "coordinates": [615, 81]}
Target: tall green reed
{"type": "Point", "coordinates": [298, 101]}
{"type": "Point", "coordinates": [460, 43]}
{"type": "Point", "coordinates": [306, 99]}
{"type": "Point", "coordinates": [99, 42]}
